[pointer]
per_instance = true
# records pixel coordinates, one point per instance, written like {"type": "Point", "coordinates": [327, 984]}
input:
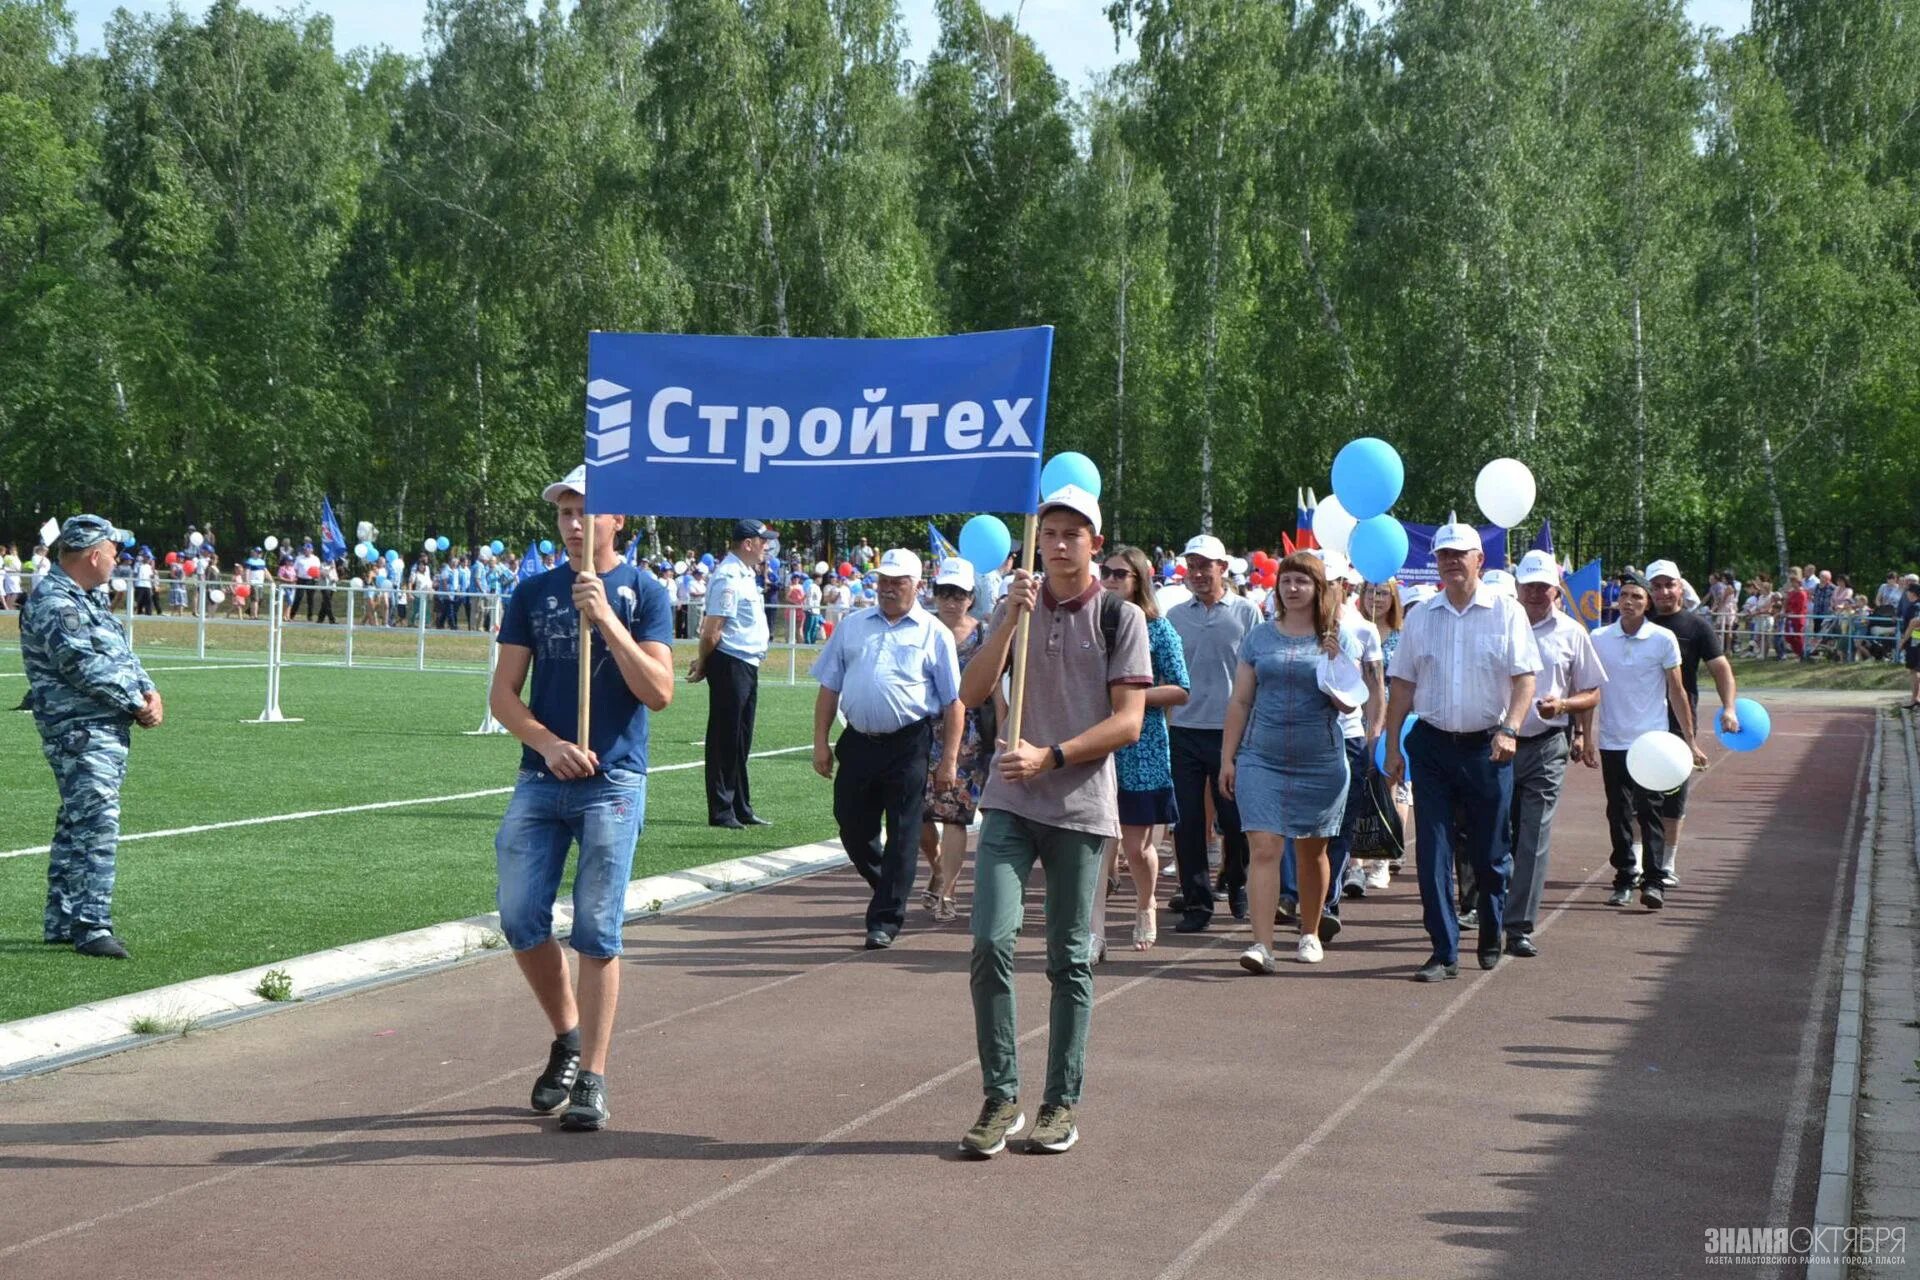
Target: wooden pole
{"type": "Point", "coordinates": [1019, 698]}
{"type": "Point", "coordinates": [586, 635]}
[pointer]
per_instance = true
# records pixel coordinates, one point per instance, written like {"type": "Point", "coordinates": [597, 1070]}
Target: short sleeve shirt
{"type": "Point", "coordinates": [1461, 662]}
{"type": "Point", "coordinates": [890, 674]}
{"type": "Point", "coordinates": [735, 596]}
{"type": "Point", "coordinates": [1069, 675]}
{"type": "Point", "coordinates": [1698, 641]}
{"type": "Point", "coordinates": [1633, 700]}
{"type": "Point", "coordinates": [1568, 665]}
{"type": "Point", "coordinates": [540, 616]}
{"type": "Point", "coordinates": [1210, 638]}
{"type": "Point", "coordinates": [1359, 640]}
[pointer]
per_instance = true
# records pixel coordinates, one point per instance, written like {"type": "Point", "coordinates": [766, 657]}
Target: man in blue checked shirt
{"type": "Point", "coordinates": [894, 671]}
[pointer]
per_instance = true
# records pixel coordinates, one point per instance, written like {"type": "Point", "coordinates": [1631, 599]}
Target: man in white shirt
{"type": "Point", "coordinates": [1465, 665]}
{"type": "Point", "coordinates": [1642, 684]}
{"type": "Point", "coordinates": [1568, 687]}
{"type": "Point", "coordinates": [733, 640]}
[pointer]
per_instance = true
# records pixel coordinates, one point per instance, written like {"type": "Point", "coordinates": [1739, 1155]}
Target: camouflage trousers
{"type": "Point", "coordinates": [89, 765]}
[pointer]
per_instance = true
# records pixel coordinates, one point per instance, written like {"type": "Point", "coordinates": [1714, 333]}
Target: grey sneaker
{"type": "Point", "coordinates": [1053, 1132]}
{"type": "Point", "coordinates": [999, 1120]}
{"type": "Point", "coordinates": [587, 1108]}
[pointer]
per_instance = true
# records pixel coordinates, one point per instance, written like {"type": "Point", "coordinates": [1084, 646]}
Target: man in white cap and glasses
{"type": "Point", "coordinates": [1211, 624]}
{"type": "Point", "coordinates": [1565, 693]}
{"type": "Point", "coordinates": [595, 792]}
{"type": "Point", "coordinates": [1466, 666]}
{"type": "Point", "coordinates": [1051, 797]}
{"type": "Point", "coordinates": [1698, 642]}
{"type": "Point", "coordinates": [894, 672]}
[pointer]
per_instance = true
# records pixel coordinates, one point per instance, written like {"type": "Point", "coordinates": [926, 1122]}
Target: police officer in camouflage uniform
{"type": "Point", "coordinates": [86, 688]}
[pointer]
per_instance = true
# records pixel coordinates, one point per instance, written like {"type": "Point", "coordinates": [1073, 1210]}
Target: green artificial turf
{"type": "Point", "coordinates": [212, 902]}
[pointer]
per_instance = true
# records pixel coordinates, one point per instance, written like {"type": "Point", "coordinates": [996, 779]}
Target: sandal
{"type": "Point", "coordinates": [929, 899]}
{"type": "Point", "coordinates": [944, 911]}
{"type": "Point", "coordinates": [1146, 929]}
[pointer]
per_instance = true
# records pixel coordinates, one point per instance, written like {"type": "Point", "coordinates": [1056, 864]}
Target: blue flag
{"type": "Point", "coordinates": [530, 564]}
{"type": "Point", "coordinates": [1580, 594]}
{"type": "Point", "coordinates": [1543, 540]}
{"type": "Point", "coordinates": [333, 543]}
{"type": "Point", "coordinates": [939, 547]}
{"type": "Point", "coordinates": [815, 428]}
{"type": "Point", "coordinates": [633, 549]}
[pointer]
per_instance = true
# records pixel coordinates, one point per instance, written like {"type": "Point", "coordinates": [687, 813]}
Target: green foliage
{"type": "Point", "coordinates": [275, 985]}
{"type": "Point", "coordinates": [1674, 272]}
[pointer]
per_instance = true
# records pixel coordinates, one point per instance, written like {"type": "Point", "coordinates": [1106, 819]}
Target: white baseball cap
{"type": "Point", "coordinates": [1537, 566]}
{"type": "Point", "coordinates": [1502, 581]}
{"type": "Point", "coordinates": [899, 563]}
{"type": "Point", "coordinates": [1207, 546]}
{"type": "Point", "coordinates": [955, 572]}
{"type": "Point", "coordinates": [576, 482]}
{"type": "Point", "coordinates": [1663, 569]}
{"type": "Point", "coordinates": [1454, 536]}
{"type": "Point", "coordinates": [1414, 592]}
{"type": "Point", "coordinates": [1075, 499]}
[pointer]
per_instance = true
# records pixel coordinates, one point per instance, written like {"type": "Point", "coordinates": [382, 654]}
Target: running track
{"type": "Point", "coordinates": [786, 1105]}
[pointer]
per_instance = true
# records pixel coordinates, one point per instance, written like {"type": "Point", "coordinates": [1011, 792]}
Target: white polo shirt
{"type": "Point", "coordinates": [1633, 697]}
{"type": "Point", "coordinates": [1568, 665]}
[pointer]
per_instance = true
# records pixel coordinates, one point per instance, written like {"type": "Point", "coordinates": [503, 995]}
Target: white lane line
{"type": "Point", "coordinates": [775, 1167]}
{"type": "Point", "coordinates": [1813, 1031]}
{"type": "Point", "coordinates": [495, 1082]}
{"type": "Point", "coordinates": [197, 666]}
{"type": "Point", "coordinates": [363, 808]}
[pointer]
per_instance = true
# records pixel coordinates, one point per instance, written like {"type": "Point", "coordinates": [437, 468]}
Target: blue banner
{"type": "Point", "coordinates": [333, 543]}
{"type": "Point", "coordinates": [1580, 594]}
{"type": "Point", "coordinates": [1420, 566]}
{"type": "Point", "coordinates": [815, 428]}
{"type": "Point", "coordinates": [1543, 540]}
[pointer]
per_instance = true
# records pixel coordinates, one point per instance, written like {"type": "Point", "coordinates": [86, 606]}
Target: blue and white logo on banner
{"type": "Point", "coordinates": [815, 428]}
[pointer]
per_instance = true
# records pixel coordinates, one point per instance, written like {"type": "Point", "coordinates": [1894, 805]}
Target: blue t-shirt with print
{"type": "Point", "coordinates": [540, 616]}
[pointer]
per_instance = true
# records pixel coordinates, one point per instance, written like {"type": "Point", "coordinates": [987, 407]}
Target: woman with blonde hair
{"type": "Point", "coordinates": [1145, 769]}
{"type": "Point", "coordinates": [1283, 757]}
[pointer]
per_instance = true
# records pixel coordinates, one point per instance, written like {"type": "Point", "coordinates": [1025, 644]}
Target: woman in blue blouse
{"type": "Point", "coordinates": [1145, 772]}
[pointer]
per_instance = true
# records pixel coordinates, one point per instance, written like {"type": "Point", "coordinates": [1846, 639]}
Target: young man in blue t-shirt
{"type": "Point", "coordinates": [596, 793]}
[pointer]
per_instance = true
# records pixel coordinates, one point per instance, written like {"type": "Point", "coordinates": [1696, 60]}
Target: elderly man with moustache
{"type": "Point", "coordinates": [1565, 693]}
{"type": "Point", "coordinates": [1466, 665]}
{"type": "Point", "coordinates": [894, 671]}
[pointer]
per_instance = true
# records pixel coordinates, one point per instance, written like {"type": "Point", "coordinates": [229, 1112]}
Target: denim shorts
{"type": "Point", "coordinates": [604, 814]}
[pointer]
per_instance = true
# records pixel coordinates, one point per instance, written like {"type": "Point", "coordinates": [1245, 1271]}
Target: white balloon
{"type": "Point", "coordinates": [430, 545]}
{"type": "Point", "coordinates": [1332, 526]}
{"type": "Point", "coordinates": [216, 595]}
{"type": "Point", "coordinates": [679, 566]}
{"type": "Point", "coordinates": [119, 585]}
{"type": "Point", "coordinates": [363, 531]}
{"type": "Point", "coordinates": [271, 543]}
{"type": "Point", "coordinates": [356, 583]}
{"type": "Point", "coordinates": [822, 567]}
{"type": "Point", "coordinates": [1505, 491]}
{"type": "Point", "coordinates": [1659, 761]}
{"type": "Point", "coordinates": [370, 553]}
{"type": "Point", "coordinates": [194, 539]}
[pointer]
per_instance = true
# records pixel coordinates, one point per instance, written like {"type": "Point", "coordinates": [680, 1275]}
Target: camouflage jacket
{"type": "Point", "coordinates": [80, 667]}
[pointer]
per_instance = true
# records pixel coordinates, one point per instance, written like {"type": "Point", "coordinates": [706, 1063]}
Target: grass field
{"type": "Point", "coordinates": [1756, 673]}
{"type": "Point", "coordinates": [200, 903]}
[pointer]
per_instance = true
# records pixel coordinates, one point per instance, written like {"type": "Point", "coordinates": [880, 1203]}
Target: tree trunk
{"type": "Point", "coordinates": [1756, 360]}
{"type": "Point", "coordinates": [1120, 345]}
{"type": "Point", "coordinates": [1330, 316]}
{"type": "Point", "coordinates": [1211, 366]}
{"type": "Point", "coordinates": [1639, 433]}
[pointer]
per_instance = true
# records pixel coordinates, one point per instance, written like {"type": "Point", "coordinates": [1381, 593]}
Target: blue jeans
{"type": "Point", "coordinates": [1451, 773]}
{"type": "Point", "coordinates": [604, 813]}
{"type": "Point", "coordinates": [1340, 848]}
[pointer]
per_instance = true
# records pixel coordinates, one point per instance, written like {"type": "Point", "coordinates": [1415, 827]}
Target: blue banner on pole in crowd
{"type": "Point", "coordinates": [815, 428]}
{"type": "Point", "coordinates": [1580, 593]}
{"type": "Point", "coordinates": [1420, 566]}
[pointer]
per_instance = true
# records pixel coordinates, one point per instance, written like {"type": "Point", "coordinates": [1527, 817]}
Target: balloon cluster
{"type": "Point", "coordinates": [1262, 570]}
{"type": "Point", "coordinates": [1367, 478]}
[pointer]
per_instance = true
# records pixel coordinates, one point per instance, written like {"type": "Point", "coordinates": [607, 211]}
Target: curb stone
{"type": "Point", "coordinates": [50, 1041]}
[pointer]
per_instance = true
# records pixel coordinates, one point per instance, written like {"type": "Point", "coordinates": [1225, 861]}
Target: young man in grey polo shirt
{"type": "Point", "coordinates": [1050, 796]}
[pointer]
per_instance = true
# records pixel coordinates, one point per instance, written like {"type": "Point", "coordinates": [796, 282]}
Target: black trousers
{"type": "Point", "coordinates": [1630, 804]}
{"type": "Point", "coordinates": [1195, 756]}
{"type": "Point", "coordinates": [883, 778]}
{"type": "Point", "coordinates": [733, 692]}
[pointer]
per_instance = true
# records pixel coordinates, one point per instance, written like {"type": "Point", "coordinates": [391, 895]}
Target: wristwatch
{"type": "Point", "coordinates": [1506, 731]}
{"type": "Point", "coordinates": [1059, 757]}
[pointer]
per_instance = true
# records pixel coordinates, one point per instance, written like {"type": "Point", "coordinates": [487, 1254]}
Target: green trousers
{"type": "Point", "coordinates": [1070, 861]}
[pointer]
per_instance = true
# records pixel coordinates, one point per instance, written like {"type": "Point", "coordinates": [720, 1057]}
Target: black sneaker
{"type": "Point", "coordinates": [103, 946]}
{"type": "Point", "coordinates": [1470, 918]}
{"type": "Point", "coordinates": [587, 1109]}
{"type": "Point", "coordinates": [1237, 901]}
{"type": "Point", "coordinates": [1621, 896]}
{"type": "Point", "coordinates": [1652, 897]}
{"type": "Point", "coordinates": [555, 1085]}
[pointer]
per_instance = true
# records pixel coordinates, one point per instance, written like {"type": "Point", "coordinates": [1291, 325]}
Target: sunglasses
{"type": "Point", "coordinates": [951, 593]}
{"type": "Point", "coordinates": [1111, 574]}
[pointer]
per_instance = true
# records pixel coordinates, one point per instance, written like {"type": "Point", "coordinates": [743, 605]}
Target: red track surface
{"type": "Point", "coordinates": [787, 1105]}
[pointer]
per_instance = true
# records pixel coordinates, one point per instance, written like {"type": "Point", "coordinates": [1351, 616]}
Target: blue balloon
{"type": "Point", "coordinates": [984, 543]}
{"type": "Point", "coordinates": [1064, 469]}
{"type": "Point", "coordinates": [1755, 726]}
{"type": "Point", "coordinates": [1380, 743]}
{"type": "Point", "coordinates": [707, 559]}
{"type": "Point", "coordinates": [496, 546]}
{"type": "Point", "coordinates": [442, 543]}
{"type": "Point", "coordinates": [546, 546]}
{"type": "Point", "coordinates": [393, 557]}
{"type": "Point", "coordinates": [1367, 475]}
{"type": "Point", "coordinates": [1378, 547]}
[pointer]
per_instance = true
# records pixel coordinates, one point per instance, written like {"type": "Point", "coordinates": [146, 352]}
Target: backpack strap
{"type": "Point", "coordinates": [1110, 606]}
